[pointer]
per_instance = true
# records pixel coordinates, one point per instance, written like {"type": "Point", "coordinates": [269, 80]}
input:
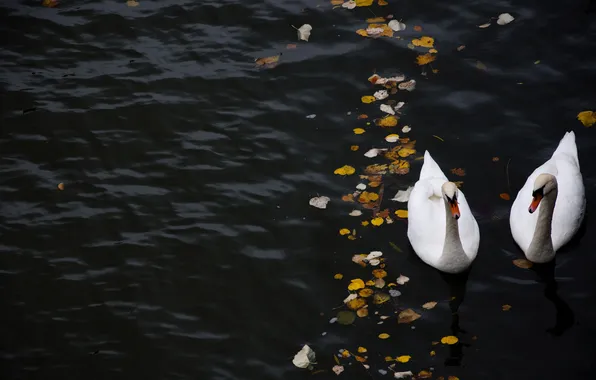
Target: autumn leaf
{"type": "Point", "coordinates": [359, 131]}
{"type": "Point", "coordinates": [356, 304]}
{"type": "Point", "coordinates": [403, 358]}
{"type": "Point", "coordinates": [434, 51]}
{"type": "Point", "coordinates": [383, 336]}
{"type": "Point", "coordinates": [366, 197]}
{"type": "Point", "coordinates": [505, 196]}
{"type": "Point", "coordinates": [363, 116]}
{"type": "Point", "coordinates": [53, 3]}
{"type": "Point", "coordinates": [376, 169]}
{"type": "Point", "coordinates": [450, 339]}
{"type": "Point", "coordinates": [356, 284]}
{"type": "Point", "coordinates": [379, 283]}
{"type": "Point", "coordinates": [382, 3]}
{"type": "Point", "coordinates": [452, 378]}
{"type": "Point", "coordinates": [495, 159]}
{"type": "Point", "coordinates": [506, 307]}
{"type": "Point", "coordinates": [362, 350]}
{"type": "Point", "coordinates": [588, 118]}
{"type": "Point", "coordinates": [407, 316]}
{"type": "Point", "coordinates": [418, 28]}
{"type": "Point", "coordinates": [523, 263]}
{"type": "Point", "coordinates": [389, 121]}
{"type": "Point", "coordinates": [291, 46]}
{"type": "Point", "coordinates": [60, 186]}
{"type": "Point", "coordinates": [388, 358]}
{"type": "Point", "coordinates": [432, 353]}
{"type": "Point", "coordinates": [380, 298]}
{"type": "Point", "coordinates": [458, 171]}
{"type": "Point", "coordinates": [348, 198]}
{"type": "Point", "coordinates": [402, 213]}
{"type": "Point", "coordinates": [363, 3]}
{"type": "Point", "coordinates": [423, 42]}
{"type": "Point", "coordinates": [375, 20]}
{"type": "Point", "coordinates": [429, 305]}
{"type": "Point", "coordinates": [377, 221]}
{"type": "Point", "coordinates": [405, 152]}
{"type": "Point", "coordinates": [268, 61]}
{"type": "Point", "coordinates": [366, 292]}
{"type": "Point", "coordinates": [337, 2]}
{"type": "Point", "coordinates": [368, 99]}
{"type": "Point", "coordinates": [425, 59]}
{"type": "Point", "coordinates": [425, 374]}
{"type": "Point", "coordinates": [362, 312]}
{"type": "Point", "coordinates": [338, 276]}
{"type": "Point", "coordinates": [354, 148]}
{"type": "Point", "coordinates": [370, 282]}
{"type": "Point", "coordinates": [344, 231]}
{"type": "Point", "coordinates": [345, 170]}
{"type": "Point", "coordinates": [379, 273]}
{"type": "Point", "coordinates": [346, 317]}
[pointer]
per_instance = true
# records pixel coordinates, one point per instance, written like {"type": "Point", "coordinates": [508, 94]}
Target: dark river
{"type": "Point", "coordinates": [181, 244]}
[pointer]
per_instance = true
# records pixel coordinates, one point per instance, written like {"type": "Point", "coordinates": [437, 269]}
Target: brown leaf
{"type": "Point", "coordinates": [363, 116]}
{"type": "Point", "coordinates": [356, 303]}
{"type": "Point", "coordinates": [407, 316]}
{"type": "Point", "coordinates": [461, 47]}
{"type": "Point", "coordinates": [506, 307]}
{"type": "Point", "coordinates": [505, 196]}
{"type": "Point", "coordinates": [429, 305]}
{"type": "Point", "coordinates": [380, 298]}
{"type": "Point", "coordinates": [495, 159]}
{"type": "Point", "coordinates": [375, 20]}
{"type": "Point", "coordinates": [267, 61]}
{"type": "Point", "coordinates": [425, 374]}
{"type": "Point", "coordinates": [523, 263]}
{"type": "Point", "coordinates": [418, 28]}
{"type": "Point", "coordinates": [60, 186]}
{"type": "Point", "coordinates": [348, 198]}
{"type": "Point", "coordinates": [458, 171]}
{"type": "Point", "coordinates": [362, 312]}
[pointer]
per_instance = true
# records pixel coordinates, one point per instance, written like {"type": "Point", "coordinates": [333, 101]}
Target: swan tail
{"type": "Point", "coordinates": [430, 169]}
{"type": "Point", "coordinates": [567, 146]}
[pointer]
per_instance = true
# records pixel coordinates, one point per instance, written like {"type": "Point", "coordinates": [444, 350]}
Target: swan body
{"type": "Point", "coordinates": [441, 227]}
{"type": "Point", "coordinates": [549, 209]}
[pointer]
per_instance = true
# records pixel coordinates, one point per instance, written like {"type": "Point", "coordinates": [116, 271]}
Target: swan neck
{"type": "Point", "coordinates": [541, 248]}
{"type": "Point", "coordinates": [453, 252]}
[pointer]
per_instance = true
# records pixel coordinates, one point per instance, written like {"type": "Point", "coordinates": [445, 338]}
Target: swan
{"type": "Point", "coordinates": [549, 209]}
{"type": "Point", "coordinates": [441, 227]}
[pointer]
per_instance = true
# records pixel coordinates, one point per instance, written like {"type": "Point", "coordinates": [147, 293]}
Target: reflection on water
{"type": "Point", "coordinates": [457, 290]}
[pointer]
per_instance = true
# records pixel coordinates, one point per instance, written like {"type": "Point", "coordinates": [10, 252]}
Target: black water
{"type": "Point", "coordinates": [183, 246]}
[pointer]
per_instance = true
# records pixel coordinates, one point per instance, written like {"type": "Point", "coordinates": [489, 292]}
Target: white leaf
{"type": "Point", "coordinates": [381, 94]}
{"type": "Point", "coordinates": [403, 375]}
{"type": "Point", "coordinates": [387, 109]}
{"type": "Point", "coordinates": [319, 202]}
{"type": "Point", "coordinates": [484, 25]}
{"type": "Point", "coordinates": [304, 358]}
{"type": "Point", "coordinates": [406, 129]}
{"type": "Point", "coordinates": [394, 293]}
{"type": "Point", "coordinates": [356, 213]}
{"type": "Point", "coordinates": [333, 320]}
{"type": "Point", "coordinates": [402, 279]}
{"type": "Point", "coordinates": [382, 372]}
{"type": "Point", "coordinates": [374, 255]}
{"type": "Point", "coordinates": [374, 152]}
{"type": "Point", "coordinates": [311, 116]}
{"type": "Point", "coordinates": [304, 32]}
{"type": "Point", "coordinates": [409, 85]}
{"type": "Point", "coordinates": [403, 195]}
{"type": "Point", "coordinates": [399, 105]}
{"type": "Point", "coordinates": [396, 25]}
{"type": "Point", "coordinates": [338, 368]}
{"type": "Point", "coordinates": [349, 4]}
{"type": "Point", "coordinates": [373, 31]}
{"type": "Point", "coordinates": [374, 262]}
{"type": "Point", "coordinates": [398, 78]}
{"type": "Point", "coordinates": [352, 296]}
{"type": "Point", "coordinates": [361, 186]}
{"type": "Point", "coordinates": [504, 19]}
{"type": "Point", "coordinates": [366, 366]}
{"type": "Point", "coordinates": [392, 138]}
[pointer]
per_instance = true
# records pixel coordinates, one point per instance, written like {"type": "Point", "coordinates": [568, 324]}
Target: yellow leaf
{"type": "Point", "coordinates": [365, 223]}
{"type": "Point", "coordinates": [522, 263]}
{"type": "Point", "coordinates": [377, 221]}
{"type": "Point", "coordinates": [370, 283]}
{"type": "Point", "coordinates": [359, 131]}
{"type": "Point", "coordinates": [506, 307]}
{"type": "Point", "coordinates": [362, 32]}
{"type": "Point", "coordinates": [389, 121]}
{"type": "Point", "coordinates": [387, 31]}
{"type": "Point", "coordinates": [383, 336]}
{"type": "Point", "coordinates": [368, 99]}
{"type": "Point", "coordinates": [405, 152]}
{"type": "Point", "coordinates": [366, 197]}
{"type": "Point", "coordinates": [452, 378]}
{"type": "Point", "coordinates": [432, 353]}
{"type": "Point", "coordinates": [359, 358]}
{"type": "Point", "coordinates": [588, 118]}
{"type": "Point", "coordinates": [345, 170]}
{"type": "Point", "coordinates": [345, 353]}
{"type": "Point", "coordinates": [388, 359]}
{"type": "Point", "coordinates": [356, 303]}
{"type": "Point", "coordinates": [402, 213]}
{"type": "Point", "coordinates": [403, 358]}
{"type": "Point", "coordinates": [362, 312]}
{"type": "Point", "coordinates": [366, 292]}
{"type": "Point", "coordinates": [337, 2]}
{"type": "Point", "coordinates": [267, 60]}
{"type": "Point", "coordinates": [376, 19]}
{"type": "Point", "coordinates": [380, 298]}
{"type": "Point", "coordinates": [434, 51]}
{"type": "Point", "coordinates": [60, 186]}
{"type": "Point", "coordinates": [338, 276]}
{"type": "Point", "coordinates": [379, 273]}
{"type": "Point", "coordinates": [354, 148]}
{"type": "Point", "coordinates": [382, 3]}
{"type": "Point", "coordinates": [426, 375]}
{"type": "Point", "coordinates": [392, 137]}
{"type": "Point", "coordinates": [344, 231]}
{"type": "Point", "coordinates": [425, 59]}
{"type": "Point", "coordinates": [424, 42]}
{"type": "Point", "coordinates": [449, 339]}
{"type": "Point", "coordinates": [362, 350]}
{"type": "Point", "coordinates": [407, 316]}
{"type": "Point", "coordinates": [356, 284]}
{"type": "Point", "coordinates": [429, 305]}
{"type": "Point", "coordinates": [53, 3]}
{"type": "Point", "coordinates": [364, 3]}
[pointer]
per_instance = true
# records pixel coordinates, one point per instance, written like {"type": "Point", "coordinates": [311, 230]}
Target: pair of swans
{"type": "Point", "coordinates": [545, 215]}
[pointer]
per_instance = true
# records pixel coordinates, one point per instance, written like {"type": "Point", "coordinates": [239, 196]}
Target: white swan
{"type": "Point", "coordinates": [556, 191]}
{"type": "Point", "coordinates": [441, 227]}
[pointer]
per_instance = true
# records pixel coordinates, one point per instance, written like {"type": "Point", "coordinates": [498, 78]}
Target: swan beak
{"type": "Point", "coordinates": [535, 202]}
{"type": "Point", "coordinates": [454, 209]}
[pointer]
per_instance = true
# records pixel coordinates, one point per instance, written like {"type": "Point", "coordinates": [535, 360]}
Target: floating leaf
{"type": "Point", "coordinates": [425, 59]}
{"type": "Point", "coordinates": [392, 138]}
{"type": "Point", "coordinates": [405, 152]}
{"type": "Point", "coordinates": [403, 358]}
{"type": "Point", "coordinates": [504, 19]}
{"type": "Point", "coordinates": [304, 32]}
{"type": "Point", "coordinates": [377, 221]}
{"type": "Point", "coordinates": [338, 276]}
{"type": "Point", "coordinates": [449, 339]}
{"type": "Point", "coordinates": [432, 353]}
{"type": "Point", "coordinates": [268, 61]}
{"type": "Point", "coordinates": [396, 25]}
{"type": "Point", "coordinates": [60, 186]}
{"type": "Point", "coordinates": [291, 46]}
{"type": "Point", "coordinates": [381, 298]}
{"type": "Point", "coordinates": [379, 282]}
{"type": "Point", "coordinates": [319, 202]}
{"type": "Point", "coordinates": [382, 3]}
{"type": "Point", "coordinates": [53, 3]}
{"type": "Point", "coordinates": [379, 273]}
{"type": "Point", "coordinates": [424, 374]}
{"type": "Point", "coordinates": [429, 305]}
{"type": "Point", "coordinates": [401, 213]}
{"type": "Point", "coordinates": [383, 336]}
{"type": "Point", "coordinates": [361, 313]}
{"type": "Point", "coordinates": [484, 25]}
{"type": "Point", "coordinates": [381, 94]}
{"type": "Point", "coordinates": [345, 170]}
{"type": "Point", "coordinates": [389, 121]}
{"type": "Point", "coordinates": [348, 198]}
{"type": "Point", "coordinates": [418, 28]}
{"type": "Point", "coordinates": [368, 197]}
{"type": "Point", "coordinates": [362, 350]}
{"type": "Point", "coordinates": [505, 196]}
{"type": "Point", "coordinates": [403, 195]}
{"type": "Point", "coordinates": [424, 42]}
{"type": "Point", "coordinates": [368, 99]}
{"type": "Point", "coordinates": [356, 284]}
{"type": "Point", "coordinates": [358, 131]}
{"type": "Point", "coordinates": [481, 66]}
{"type": "Point", "coordinates": [506, 307]}
{"type": "Point", "coordinates": [346, 317]}
{"type": "Point", "coordinates": [523, 263]}
{"type": "Point", "coordinates": [363, 3]}
{"type": "Point", "coordinates": [387, 109]}
{"type": "Point", "coordinates": [407, 316]}
{"type": "Point", "coordinates": [461, 47]}
{"type": "Point", "coordinates": [458, 171]}
{"type": "Point", "coordinates": [304, 358]}
{"type": "Point", "coordinates": [344, 231]}
{"type": "Point", "coordinates": [356, 304]}
{"type": "Point", "coordinates": [403, 375]}
{"type": "Point", "coordinates": [452, 378]}
{"type": "Point", "coordinates": [366, 292]}
{"type": "Point", "coordinates": [402, 279]}
{"type": "Point", "coordinates": [588, 118]}
{"type": "Point", "coordinates": [337, 369]}
{"type": "Point", "coordinates": [349, 4]}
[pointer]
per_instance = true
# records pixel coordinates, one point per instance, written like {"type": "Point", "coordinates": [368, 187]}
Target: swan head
{"type": "Point", "coordinates": [450, 196]}
{"type": "Point", "coordinates": [543, 185]}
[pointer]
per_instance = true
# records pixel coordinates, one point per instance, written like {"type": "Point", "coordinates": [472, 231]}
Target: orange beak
{"type": "Point", "coordinates": [455, 210]}
{"type": "Point", "coordinates": [535, 202]}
